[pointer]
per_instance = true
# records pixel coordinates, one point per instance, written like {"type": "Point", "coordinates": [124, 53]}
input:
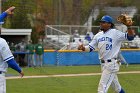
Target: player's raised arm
{"type": "Point", "coordinates": [127, 20]}
{"type": "Point", "coordinates": [9, 11]}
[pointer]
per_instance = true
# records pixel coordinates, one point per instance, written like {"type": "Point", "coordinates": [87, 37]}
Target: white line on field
{"type": "Point", "coordinates": [69, 75]}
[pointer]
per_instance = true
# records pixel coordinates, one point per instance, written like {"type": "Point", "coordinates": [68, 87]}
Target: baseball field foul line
{"type": "Point", "coordinates": [69, 75]}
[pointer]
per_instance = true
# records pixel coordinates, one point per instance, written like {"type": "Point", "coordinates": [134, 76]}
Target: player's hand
{"type": "Point", "coordinates": [81, 47]}
{"type": "Point", "coordinates": [21, 74]}
{"type": "Point", "coordinates": [10, 10]}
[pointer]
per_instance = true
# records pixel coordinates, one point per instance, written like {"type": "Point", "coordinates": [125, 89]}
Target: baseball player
{"type": "Point", "coordinates": [6, 57]}
{"type": "Point", "coordinates": [108, 43]}
{"type": "Point", "coordinates": [39, 50]}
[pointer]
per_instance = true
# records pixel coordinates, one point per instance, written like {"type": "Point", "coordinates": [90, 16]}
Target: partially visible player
{"type": "Point", "coordinates": [121, 59]}
{"type": "Point", "coordinates": [6, 57]}
{"type": "Point", "coordinates": [39, 50]}
{"type": "Point", "coordinates": [108, 42]}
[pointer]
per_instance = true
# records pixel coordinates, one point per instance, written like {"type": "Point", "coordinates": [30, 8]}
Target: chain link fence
{"type": "Point", "coordinates": [62, 35]}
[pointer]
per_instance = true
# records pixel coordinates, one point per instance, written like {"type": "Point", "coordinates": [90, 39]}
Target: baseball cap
{"type": "Point", "coordinates": [107, 19]}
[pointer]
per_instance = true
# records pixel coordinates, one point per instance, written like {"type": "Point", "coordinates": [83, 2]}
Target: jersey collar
{"type": "Point", "coordinates": [107, 31]}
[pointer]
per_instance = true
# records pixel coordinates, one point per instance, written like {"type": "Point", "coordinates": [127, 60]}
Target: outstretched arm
{"type": "Point", "coordinates": [12, 63]}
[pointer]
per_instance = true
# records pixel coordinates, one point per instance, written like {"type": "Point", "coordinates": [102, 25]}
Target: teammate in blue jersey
{"type": "Point", "coordinates": [6, 57]}
{"type": "Point", "coordinates": [108, 42]}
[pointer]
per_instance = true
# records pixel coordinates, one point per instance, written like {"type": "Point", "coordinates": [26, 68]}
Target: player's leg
{"type": "Point", "coordinates": [34, 64]}
{"type": "Point", "coordinates": [109, 71]}
{"type": "Point", "coordinates": [40, 60]}
{"type": "Point", "coordinates": [2, 84]}
{"type": "Point", "coordinates": [29, 60]}
{"type": "Point", "coordinates": [37, 60]}
{"type": "Point", "coordinates": [32, 60]}
{"type": "Point", "coordinates": [105, 81]}
{"type": "Point", "coordinates": [116, 85]}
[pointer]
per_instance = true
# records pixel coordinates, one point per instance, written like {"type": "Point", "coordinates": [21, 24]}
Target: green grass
{"type": "Point", "coordinates": [51, 70]}
{"type": "Point", "coordinates": [83, 84]}
{"type": "Point", "coordinates": [79, 84]}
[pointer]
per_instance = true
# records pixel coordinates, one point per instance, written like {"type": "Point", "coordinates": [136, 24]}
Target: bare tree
{"type": "Point", "coordinates": [76, 11]}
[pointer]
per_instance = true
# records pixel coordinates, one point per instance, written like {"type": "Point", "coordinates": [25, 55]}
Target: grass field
{"type": "Point", "coordinates": [78, 84]}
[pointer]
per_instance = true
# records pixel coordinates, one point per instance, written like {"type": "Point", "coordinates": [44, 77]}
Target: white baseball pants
{"type": "Point", "coordinates": [109, 77]}
{"type": "Point", "coordinates": [2, 83]}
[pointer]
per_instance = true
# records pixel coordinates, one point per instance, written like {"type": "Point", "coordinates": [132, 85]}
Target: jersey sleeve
{"type": "Point", "coordinates": [2, 17]}
{"type": "Point", "coordinates": [121, 35]}
{"type": "Point", "coordinates": [5, 51]}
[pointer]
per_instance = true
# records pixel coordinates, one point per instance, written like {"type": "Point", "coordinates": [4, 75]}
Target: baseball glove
{"type": "Point", "coordinates": [125, 19]}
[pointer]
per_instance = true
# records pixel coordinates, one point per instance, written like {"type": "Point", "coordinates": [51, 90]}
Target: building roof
{"type": "Point", "coordinates": [5, 31]}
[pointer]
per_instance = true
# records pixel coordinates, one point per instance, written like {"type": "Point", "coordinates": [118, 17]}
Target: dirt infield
{"type": "Point", "coordinates": [68, 75]}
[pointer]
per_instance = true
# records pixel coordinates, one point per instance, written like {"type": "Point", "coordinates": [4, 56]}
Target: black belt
{"type": "Point", "coordinates": [109, 60]}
